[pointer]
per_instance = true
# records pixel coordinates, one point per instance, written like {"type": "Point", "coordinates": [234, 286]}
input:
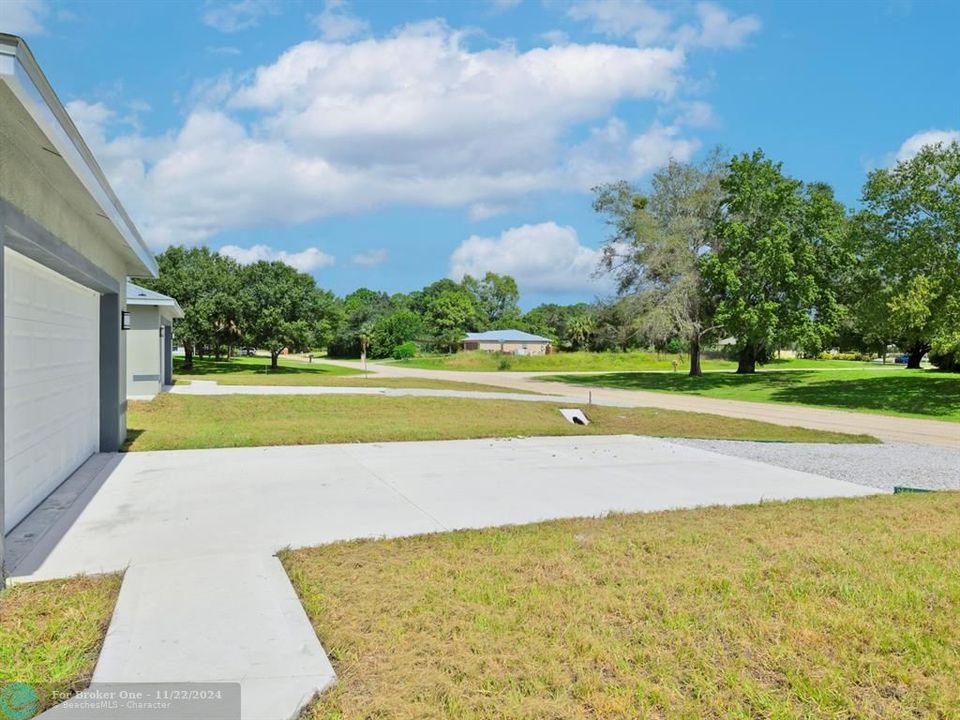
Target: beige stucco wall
{"type": "Point", "coordinates": [143, 351]}
{"type": "Point", "coordinates": [533, 348]}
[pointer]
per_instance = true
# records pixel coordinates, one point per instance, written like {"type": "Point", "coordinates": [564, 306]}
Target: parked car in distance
{"type": "Point", "coordinates": [248, 351]}
{"type": "Point", "coordinates": [902, 359]}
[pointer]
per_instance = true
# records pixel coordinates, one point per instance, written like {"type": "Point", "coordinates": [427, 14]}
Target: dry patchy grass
{"type": "Point", "coordinates": [813, 609]}
{"type": "Point", "coordinates": [172, 422]}
{"type": "Point", "coordinates": [51, 633]}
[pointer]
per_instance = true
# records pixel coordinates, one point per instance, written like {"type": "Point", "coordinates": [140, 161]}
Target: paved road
{"type": "Point", "coordinates": [884, 427]}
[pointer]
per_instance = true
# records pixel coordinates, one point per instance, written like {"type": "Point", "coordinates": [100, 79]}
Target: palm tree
{"type": "Point", "coordinates": [579, 330]}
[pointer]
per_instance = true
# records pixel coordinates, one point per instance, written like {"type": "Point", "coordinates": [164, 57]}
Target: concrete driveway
{"type": "Point", "coordinates": [168, 505]}
{"type": "Point", "coordinates": [204, 600]}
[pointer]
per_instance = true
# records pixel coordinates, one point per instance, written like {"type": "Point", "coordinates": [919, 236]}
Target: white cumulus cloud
{"type": "Point", "coordinates": [305, 261]}
{"type": "Point", "coordinates": [369, 258]}
{"type": "Point", "coordinates": [335, 22]}
{"type": "Point", "coordinates": [646, 22]}
{"type": "Point", "coordinates": [231, 17]}
{"type": "Point", "coordinates": [23, 17]}
{"type": "Point", "coordinates": [545, 257]}
{"type": "Point", "coordinates": [340, 127]}
{"type": "Point", "coordinates": [913, 144]}
{"type": "Point", "coordinates": [649, 23]}
{"type": "Point", "coordinates": [718, 29]}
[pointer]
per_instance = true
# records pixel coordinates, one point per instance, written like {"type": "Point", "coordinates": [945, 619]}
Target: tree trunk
{"type": "Point", "coordinates": [916, 355]}
{"type": "Point", "coordinates": [187, 356]}
{"type": "Point", "coordinates": [273, 359]}
{"type": "Point", "coordinates": [695, 369]}
{"type": "Point", "coordinates": [747, 362]}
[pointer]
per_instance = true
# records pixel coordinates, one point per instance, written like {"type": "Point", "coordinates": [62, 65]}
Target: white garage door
{"type": "Point", "coordinates": [51, 381]}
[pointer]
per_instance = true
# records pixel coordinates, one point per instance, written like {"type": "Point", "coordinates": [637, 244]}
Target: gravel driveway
{"type": "Point", "coordinates": [879, 466]}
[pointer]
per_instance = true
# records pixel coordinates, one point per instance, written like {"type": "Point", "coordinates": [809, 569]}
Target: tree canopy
{"type": "Point", "coordinates": [281, 308]}
{"type": "Point", "coordinates": [656, 247]}
{"type": "Point", "coordinates": [765, 272]}
{"type": "Point", "coordinates": [909, 247]}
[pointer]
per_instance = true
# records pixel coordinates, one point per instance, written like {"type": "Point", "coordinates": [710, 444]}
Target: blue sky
{"type": "Point", "coordinates": [388, 144]}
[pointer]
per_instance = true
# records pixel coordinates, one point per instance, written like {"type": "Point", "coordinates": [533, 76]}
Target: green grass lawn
{"type": "Point", "coordinates": [171, 422]}
{"type": "Point", "coordinates": [51, 633]}
{"type": "Point", "coordinates": [599, 361]}
{"type": "Point", "coordinates": [806, 609]}
{"type": "Point", "coordinates": [258, 367]}
{"type": "Point", "coordinates": [256, 371]}
{"type": "Point", "coordinates": [911, 393]}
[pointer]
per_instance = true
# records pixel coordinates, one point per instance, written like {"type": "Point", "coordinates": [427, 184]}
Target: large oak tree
{"type": "Point", "coordinates": [773, 247]}
{"type": "Point", "coordinates": [909, 245]}
{"type": "Point", "coordinates": [281, 308]}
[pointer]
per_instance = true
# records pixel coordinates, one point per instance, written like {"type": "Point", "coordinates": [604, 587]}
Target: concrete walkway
{"type": "Point", "coordinates": [211, 387]}
{"type": "Point", "coordinates": [204, 599]}
{"type": "Point", "coordinates": [883, 427]}
{"type": "Point", "coordinates": [217, 618]}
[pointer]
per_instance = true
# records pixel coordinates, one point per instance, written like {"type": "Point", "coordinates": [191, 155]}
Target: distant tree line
{"type": "Point", "coordinates": [727, 249]}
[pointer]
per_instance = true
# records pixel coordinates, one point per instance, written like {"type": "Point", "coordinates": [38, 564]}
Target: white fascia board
{"type": "Point", "coordinates": [19, 70]}
{"type": "Point", "coordinates": [168, 308]}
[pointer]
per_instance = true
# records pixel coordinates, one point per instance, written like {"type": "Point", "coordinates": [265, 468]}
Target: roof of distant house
{"type": "Point", "coordinates": [506, 336]}
{"type": "Point", "coordinates": [137, 295]}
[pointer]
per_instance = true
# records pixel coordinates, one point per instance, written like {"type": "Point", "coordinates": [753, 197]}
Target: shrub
{"type": "Point", "coordinates": [853, 356]}
{"type": "Point", "coordinates": [677, 346]}
{"type": "Point", "coordinates": [390, 331]}
{"type": "Point", "coordinates": [405, 350]}
{"type": "Point", "coordinates": [503, 364]}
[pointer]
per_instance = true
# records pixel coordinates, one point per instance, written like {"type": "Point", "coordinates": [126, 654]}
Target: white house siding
{"type": "Point", "coordinates": [144, 352]}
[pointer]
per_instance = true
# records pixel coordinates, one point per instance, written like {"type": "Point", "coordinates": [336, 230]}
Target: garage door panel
{"type": "Point", "coordinates": [51, 379]}
{"type": "Point", "coordinates": [64, 408]}
{"type": "Point", "coordinates": [38, 351]}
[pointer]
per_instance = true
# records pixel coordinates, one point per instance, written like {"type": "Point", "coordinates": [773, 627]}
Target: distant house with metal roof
{"type": "Point", "coordinates": [149, 317]}
{"type": "Point", "coordinates": [511, 342]}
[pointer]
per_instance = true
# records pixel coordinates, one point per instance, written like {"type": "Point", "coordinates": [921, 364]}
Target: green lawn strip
{"type": "Point", "coordinates": [256, 371]}
{"type": "Point", "coordinates": [211, 369]}
{"type": "Point", "coordinates": [599, 361]}
{"type": "Point", "coordinates": [51, 633]}
{"type": "Point", "coordinates": [910, 393]}
{"type": "Point", "coordinates": [814, 609]}
{"type": "Point", "coordinates": [171, 422]}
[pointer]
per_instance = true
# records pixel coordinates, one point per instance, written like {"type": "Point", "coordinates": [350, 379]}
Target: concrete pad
{"type": "Point", "coordinates": [529, 481]}
{"type": "Point", "coordinates": [229, 618]}
{"type": "Point", "coordinates": [170, 505]}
